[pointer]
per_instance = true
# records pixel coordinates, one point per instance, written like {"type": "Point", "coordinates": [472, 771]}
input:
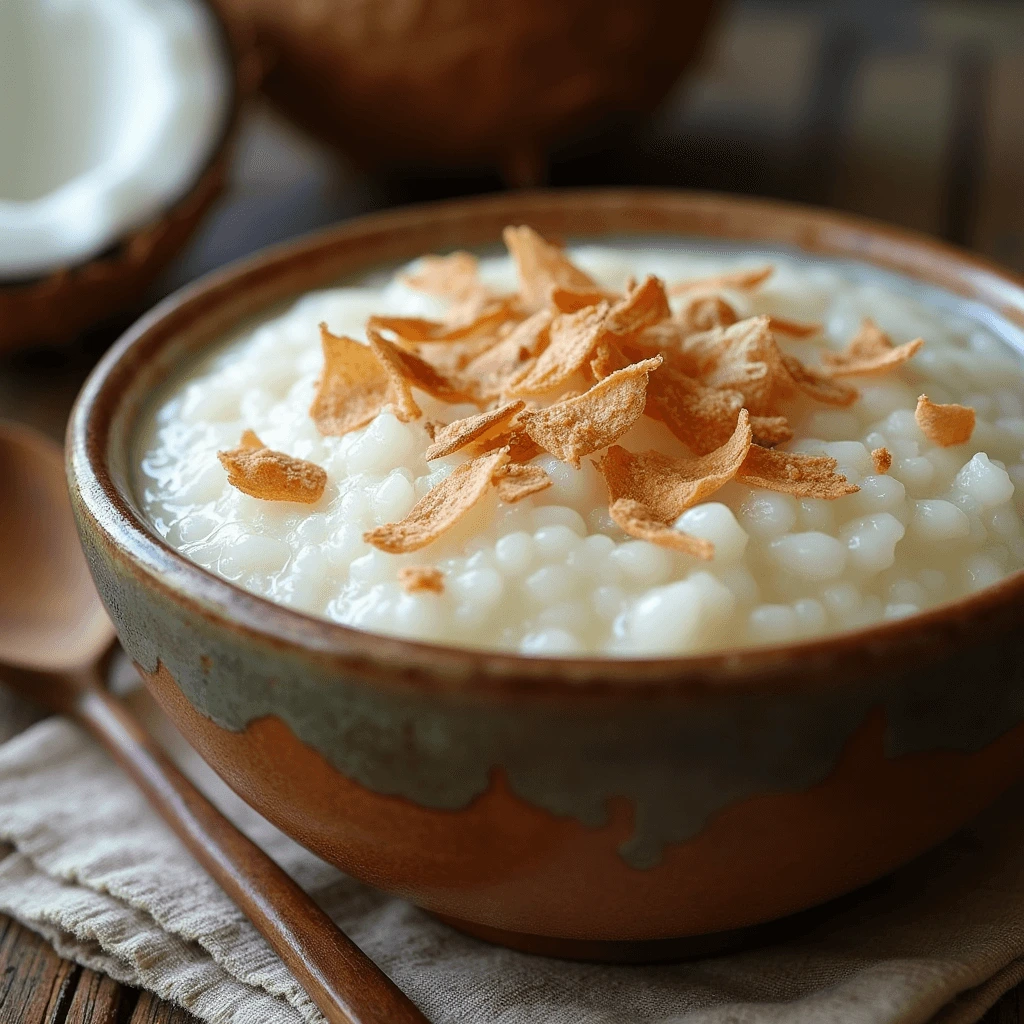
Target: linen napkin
{"type": "Point", "coordinates": [98, 874]}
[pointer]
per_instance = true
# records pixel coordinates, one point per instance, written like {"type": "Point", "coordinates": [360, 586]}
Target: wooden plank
{"type": "Point", "coordinates": [36, 986]}
{"type": "Point", "coordinates": [999, 226]}
{"type": "Point", "coordinates": [892, 158]}
{"type": "Point", "coordinates": [151, 1010]}
{"type": "Point", "coordinates": [99, 1000]}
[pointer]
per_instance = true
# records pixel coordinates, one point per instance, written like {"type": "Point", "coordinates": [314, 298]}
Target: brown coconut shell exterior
{"type": "Point", "coordinates": [469, 83]}
{"type": "Point", "coordinates": [52, 310]}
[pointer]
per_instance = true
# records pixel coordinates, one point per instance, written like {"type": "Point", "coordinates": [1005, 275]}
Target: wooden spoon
{"type": "Point", "coordinates": [54, 638]}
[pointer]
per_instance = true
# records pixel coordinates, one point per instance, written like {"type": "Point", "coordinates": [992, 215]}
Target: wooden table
{"type": "Point", "coordinates": [902, 110]}
{"type": "Point", "coordinates": [36, 986]}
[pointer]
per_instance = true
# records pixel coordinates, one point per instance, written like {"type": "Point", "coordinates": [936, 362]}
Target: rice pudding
{"type": "Point", "coordinates": [614, 451]}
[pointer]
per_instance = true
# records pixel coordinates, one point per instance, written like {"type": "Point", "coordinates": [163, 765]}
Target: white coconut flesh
{"type": "Point", "coordinates": [109, 110]}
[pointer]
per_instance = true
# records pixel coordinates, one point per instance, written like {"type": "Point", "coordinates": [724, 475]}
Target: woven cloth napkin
{"type": "Point", "coordinates": [91, 868]}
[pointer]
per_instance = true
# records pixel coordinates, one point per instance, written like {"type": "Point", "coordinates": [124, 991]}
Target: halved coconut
{"type": "Point", "coordinates": [114, 120]}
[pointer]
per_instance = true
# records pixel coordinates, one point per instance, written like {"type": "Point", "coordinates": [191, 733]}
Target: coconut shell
{"type": "Point", "coordinates": [54, 309]}
{"type": "Point", "coordinates": [468, 83]}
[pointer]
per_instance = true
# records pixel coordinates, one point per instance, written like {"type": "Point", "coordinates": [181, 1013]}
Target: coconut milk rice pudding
{"type": "Point", "coordinates": [625, 452]}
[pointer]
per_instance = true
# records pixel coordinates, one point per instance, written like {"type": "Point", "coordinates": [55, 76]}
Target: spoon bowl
{"type": "Point", "coordinates": [51, 618]}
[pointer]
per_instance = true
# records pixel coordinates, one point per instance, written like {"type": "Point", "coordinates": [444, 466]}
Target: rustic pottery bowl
{"type": "Point", "coordinates": [567, 806]}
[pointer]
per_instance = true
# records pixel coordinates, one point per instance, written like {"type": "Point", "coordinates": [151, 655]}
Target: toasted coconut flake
{"type": "Point", "coordinates": [494, 368]}
{"type": "Point", "coordinates": [453, 436]}
{"type": "Point", "coordinates": [739, 280]}
{"type": "Point", "coordinates": [417, 579]}
{"type": "Point", "coordinates": [670, 338]}
{"type": "Point", "coordinates": [452, 357]}
{"type": "Point", "coordinates": [753, 380]}
{"type": "Point", "coordinates": [578, 426]}
{"type": "Point", "coordinates": [440, 508]}
{"type": "Point", "coordinates": [455, 276]}
{"type": "Point", "coordinates": [743, 357]}
{"type": "Point", "coordinates": [564, 300]}
{"type": "Point", "coordinates": [645, 305]}
{"type": "Point", "coordinates": [746, 358]}
{"type": "Point", "coordinates": [944, 425]}
{"type": "Point", "coordinates": [608, 358]}
{"type": "Point", "coordinates": [771, 430]}
{"type": "Point", "coordinates": [804, 476]}
{"type": "Point", "coordinates": [353, 386]}
{"type": "Point", "coordinates": [701, 417]}
{"type": "Point", "coordinates": [882, 459]}
{"type": "Point", "coordinates": [574, 337]}
{"type": "Point", "coordinates": [569, 393]}
{"type": "Point", "coordinates": [870, 351]}
{"type": "Point", "coordinates": [406, 371]}
{"type": "Point", "coordinates": [261, 472]}
{"type": "Point", "coordinates": [413, 328]}
{"type": "Point", "coordinates": [390, 357]}
{"type": "Point", "coordinates": [817, 385]}
{"type": "Point", "coordinates": [543, 267]}
{"type": "Point", "coordinates": [521, 447]}
{"type": "Point", "coordinates": [469, 320]}
{"type": "Point", "coordinates": [793, 328]}
{"type": "Point", "coordinates": [705, 312]}
{"type": "Point", "coordinates": [515, 481]}
{"type": "Point", "coordinates": [746, 339]}
{"type": "Point", "coordinates": [637, 521]}
{"type": "Point", "coordinates": [666, 486]}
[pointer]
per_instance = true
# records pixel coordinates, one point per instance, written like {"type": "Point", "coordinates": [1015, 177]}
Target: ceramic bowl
{"type": "Point", "coordinates": [567, 806]}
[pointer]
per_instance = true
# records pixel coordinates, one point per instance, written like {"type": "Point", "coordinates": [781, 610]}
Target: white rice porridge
{"type": "Point", "coordinates": [552, 575]}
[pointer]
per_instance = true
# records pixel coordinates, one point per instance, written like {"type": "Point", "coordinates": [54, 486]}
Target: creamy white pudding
{"type": "Point", "coordinates": [553, 573]}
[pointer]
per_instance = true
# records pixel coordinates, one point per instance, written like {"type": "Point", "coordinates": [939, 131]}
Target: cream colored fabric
{"type": "Point", "coordinates": [101, 877]}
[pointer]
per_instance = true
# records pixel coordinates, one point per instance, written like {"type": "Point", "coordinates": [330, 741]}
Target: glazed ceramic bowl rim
{"type": "Point", "coordinates": [723, 218]}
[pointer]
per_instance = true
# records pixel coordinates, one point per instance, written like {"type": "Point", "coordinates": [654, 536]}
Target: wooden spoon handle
{"type": "Point", "coordinates": [345, 984]}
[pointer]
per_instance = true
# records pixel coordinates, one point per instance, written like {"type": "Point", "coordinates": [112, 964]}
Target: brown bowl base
{"type": "Point", "coordinates": [660, 951]}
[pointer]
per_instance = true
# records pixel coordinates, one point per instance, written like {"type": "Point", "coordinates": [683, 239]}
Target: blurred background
{"type": "Point", "coordinates": [911, 111]}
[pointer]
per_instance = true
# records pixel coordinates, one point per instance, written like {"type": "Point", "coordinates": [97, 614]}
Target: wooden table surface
{"type": "Point", "coordinates": [905, 110]}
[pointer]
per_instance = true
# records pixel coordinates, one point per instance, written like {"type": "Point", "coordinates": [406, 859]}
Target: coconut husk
{"type": "Point", "coordinates": [478, 84]}
{"type": "Point", "coordinates": [53, 310]}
